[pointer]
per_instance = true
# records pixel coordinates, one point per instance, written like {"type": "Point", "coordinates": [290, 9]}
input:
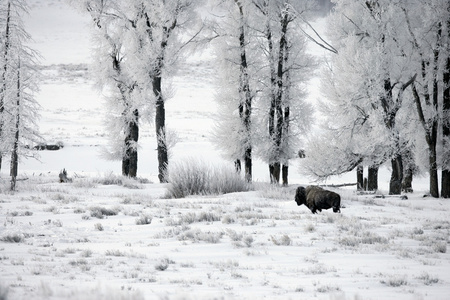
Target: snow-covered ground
{"type": "Point", "coordinates": [89, 240]}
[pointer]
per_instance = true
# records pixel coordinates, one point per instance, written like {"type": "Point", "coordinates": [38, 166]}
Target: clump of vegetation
{"type": "Point", "coordinates": [163, 264]}
{"type": "Point", "coordinates": [284, 240]}
{"type": "Point", "coordinates": [128, 182]}
{"type": "Point", "coordinates": [144, 220]}
{"type": "Point", "coordinates": [99, 227]}
{"type": "Point", "coordinates": [193, 177]}
{"type": "Point", "coordinates": [395, 281]}
{"type": "Point", "coordinates": [13, 238]}
{"type": "Point", "coordinates": [100, 212]}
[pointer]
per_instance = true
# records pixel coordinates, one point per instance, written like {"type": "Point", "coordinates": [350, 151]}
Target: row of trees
{"type": "Point", "coordinates": [18, 108]}
{"type": "Point", "coordinates": [387, 91]}
{"type": "Point", "coordinates": [138, 43]}
{"type": "Point", "coordinates": [263, 67]}
{"type": "Point", "coordinates": [386, 83]}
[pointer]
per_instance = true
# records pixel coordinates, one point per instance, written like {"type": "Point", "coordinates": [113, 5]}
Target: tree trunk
{"type": "Point", "coordinates": [15, 150]}
{"type": "Point", "coordinates": [160, 127]}
{"type": "Point", "coordinates": [407, 181]}
{"type": "Point", "coordinates": [130, 160]}
{"type": "Point", "coordinates": [434, 181]}
{"type": "Point", "coordinates": [285, 173]}
{"type": "Point", "coordinates": [431, 138]}
{"type": "Point", "coordinates": [5, 55]}
{"type": "Point", "coordinates": [360, 178]}
{"type": "Point", "coordinates": [445, 180]}
{"type": "Point", "coordinates": [273, 85]}
{"type": "Point", "coordinates": [275, 171]}
{"type": "Point", "coordinates": [278, 104]}
{"type": "Point", "coordinates": [445, 188]}
{"type": "Point", "coordinates": [395, 185]}
{"type": "Point", "coordinates": [237, 166]}
{"type": "Point", "coordinates": [372, 179]}
{"type": "Point", "coordinates": [245, 107]}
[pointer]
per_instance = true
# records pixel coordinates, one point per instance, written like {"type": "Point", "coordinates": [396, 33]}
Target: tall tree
{"type": "Point", "coordinates": [140, 43]}
{"type": "Point", "coordinates": [445, 188]}
{"type": "Point", "coordinates": [245, 95]}
{"type": "Point", "coordinates": [156, 45]}
{"type": "Point", "coordinates": [18, 108]}
{"type": "Point", "coordinates": [365, 83]}
{"type": "Point", "coordinates": [425, 31]}
{"type": "Point", "coordinates": [286, 115]}
{"type": "Point", "coordinates": [113, 73]}
{"type": "Point", "coordinates": [5, 47]}
{"type": "Point", "coordinates": [235, 45]}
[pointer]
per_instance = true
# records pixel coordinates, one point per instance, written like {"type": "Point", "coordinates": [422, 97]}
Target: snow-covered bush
{"type": "Point", "coordinates": [144, 220]}
{"type": "Point", "coordinates": [193, 177]}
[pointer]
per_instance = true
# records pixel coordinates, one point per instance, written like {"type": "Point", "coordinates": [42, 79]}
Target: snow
{"type": "Point", "coordinates": [55, 245]}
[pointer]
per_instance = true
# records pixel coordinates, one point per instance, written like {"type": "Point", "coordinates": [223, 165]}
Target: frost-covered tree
{"type": "Point", "coordinates": [18, 108]}
{"type": "Point", "coordinates": [445, 189]}
{"type": "Point", "coordinates": [390, 75]}
{"type": "Point", "coordinates": [234, 129]}
{"type": "Point", "coordinates": [365, 84]}
{"type": "Point", "coordinates": [261, 98]}
{"type": "Point", "coordinates": [427, 31]}
{"type": "Point", "coordinates": [114, 74]}
{"type": "Point", "coordinates": [284, 116]}
{"type": "Point", "coordinates": [161, 30]}
{"type": "Point", "coordinates": [142, 40]}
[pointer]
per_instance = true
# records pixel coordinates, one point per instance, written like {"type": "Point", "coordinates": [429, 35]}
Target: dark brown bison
{"type": "Point", "coordinates": [316, 199]}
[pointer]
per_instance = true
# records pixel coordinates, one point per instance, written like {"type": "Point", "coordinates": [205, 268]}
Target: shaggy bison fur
{"type": "Point", "coordinates": [316, 199]}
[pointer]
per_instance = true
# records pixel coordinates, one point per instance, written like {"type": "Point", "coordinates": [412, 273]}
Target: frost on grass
{"type": "Point", "coordinates": [427, 279]}
{"type": "Point", "coordinates": [163, 264]}
{"type": "Point", "coordinates": [144, 220]}
{"type": "Point", "coordinates": [194, 177]}
{"type": "Point", "coordinates": [440, 247]}
{"type": "Point", "coordinates": [395, 280]}
{"type": "Point", "coordinates": [127, 182]}
{"type": "Point", "coordinates": [283, 240]}
{"type": "Point", "coordinates": [192, 217]}
{"type": "Point", "coordinates": [98, 226]}
{"type": "Point", "coordinates": [197, 235]}
{"type": "Point", "coordinates": [15, 237]}
{"type": "Point", "coordinates": [100, 212]}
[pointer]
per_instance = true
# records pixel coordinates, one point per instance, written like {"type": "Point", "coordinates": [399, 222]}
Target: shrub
{"type": "Point", "coordinates": [128, 182]}
{"type": "Point", "coordinates": [14, 237]}
{"type": "Point", "coordinates": [395, 281]}
{"type": "Point", "coordinates": [193, 177]}
{"type": "Point", "coordinates": [284, 240]}
{"type": "Point", "coordinates": [144, 220]}
{"type": "Point", "coordinates": [440, 247]}
{"type": "Point", "coordinates": [163, 264]}
{"type": "Point", "coordinates": [100, 212]}
{"type": "Point", "coordinates": [427, 279]}
{"type": "Point", "coordinates": [197, 236]}
{"type": "Point", "coordinates": [99, 227]}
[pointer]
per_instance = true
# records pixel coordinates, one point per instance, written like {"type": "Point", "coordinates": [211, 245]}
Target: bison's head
{"type": "Point", "coordinates": [300, 196]}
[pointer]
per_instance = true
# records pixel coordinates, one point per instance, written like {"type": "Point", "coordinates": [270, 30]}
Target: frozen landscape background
{"type": "Point", "coordinates": [90, 240]}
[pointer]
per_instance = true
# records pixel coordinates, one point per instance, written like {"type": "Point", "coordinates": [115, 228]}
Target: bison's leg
{"type": "Point", "coordinates": [336, 209]}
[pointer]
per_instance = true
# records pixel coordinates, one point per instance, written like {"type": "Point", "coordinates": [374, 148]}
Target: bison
{"type": "Point", "coordinates": [316, 199]}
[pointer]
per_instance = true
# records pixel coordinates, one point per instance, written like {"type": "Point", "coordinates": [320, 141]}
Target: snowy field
{"type": "Point", "coordinates": [102, 237]}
